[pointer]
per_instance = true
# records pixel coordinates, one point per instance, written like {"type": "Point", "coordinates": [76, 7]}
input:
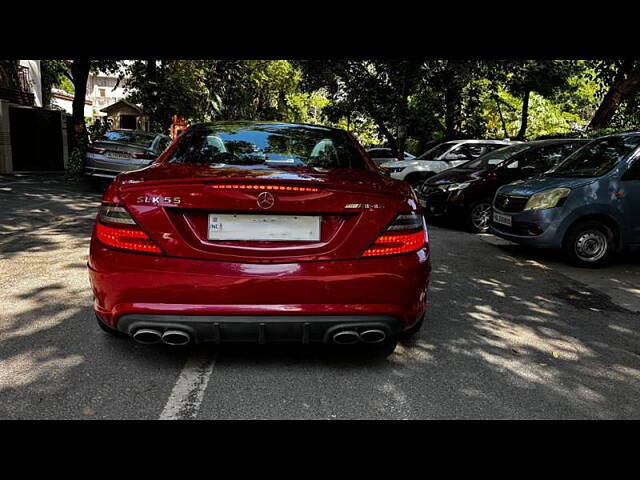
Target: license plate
{"type": "Point", "coordinates": [264, 227]}
{"type": "Point", "coordinates": [119, 156]}
{"type": "Point", "coordinates": [502, 219]}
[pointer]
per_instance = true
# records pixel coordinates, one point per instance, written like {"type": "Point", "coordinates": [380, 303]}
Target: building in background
{"type": "Point", "coordinates": [104, 90]}
{"type": "Point", "coordinates": [32, 138]}
{"type": "Point", "coordinates": [123, 114]}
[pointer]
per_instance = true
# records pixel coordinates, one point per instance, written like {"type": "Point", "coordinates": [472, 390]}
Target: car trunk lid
{"type": "Point", "coordinates": [177, 204]}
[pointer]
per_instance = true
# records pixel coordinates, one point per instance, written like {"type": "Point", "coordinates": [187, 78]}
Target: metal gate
{"type": "Point", "coordinates": [36, 139]}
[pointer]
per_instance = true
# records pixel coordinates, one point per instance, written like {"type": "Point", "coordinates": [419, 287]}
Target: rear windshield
{"type": "Point", "coordinates": [597, 158]}
{"type": "Point", "coordinates": [134, 138]}
{"type": "Point", "coordinates": [280, 145]}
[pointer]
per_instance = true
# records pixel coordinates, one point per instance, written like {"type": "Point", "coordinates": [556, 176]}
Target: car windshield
{"type": "Point", "coordinates": [495, 158]}
{"type": "Point", "coordinates": [436, 151]}
{"type": "Point", "coordinates": [135, 138]}
{"type": "Point", "coordinates": [281, 145]}
{"type": "Point", "coordinates": [597, 158]}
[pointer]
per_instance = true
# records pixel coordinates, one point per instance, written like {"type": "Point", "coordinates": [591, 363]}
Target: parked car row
{"type": "Point", "coordinates": [441, 157]}
{"type": "Point", "coordinates": [578, 195]}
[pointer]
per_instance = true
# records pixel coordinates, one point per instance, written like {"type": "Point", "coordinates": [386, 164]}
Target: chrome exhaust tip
{"type": "Point", "coordinates": [147, 336]}
{"type": "Point", "coordinates": [346, 337]}
{"type": "Point", "coordinates": [176, 337]}
{"type": "Point", "coordinates": [373, 336]}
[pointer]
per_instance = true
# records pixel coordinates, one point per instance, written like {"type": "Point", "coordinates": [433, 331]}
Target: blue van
{"type": "Point", "coordinates": [588, 205]}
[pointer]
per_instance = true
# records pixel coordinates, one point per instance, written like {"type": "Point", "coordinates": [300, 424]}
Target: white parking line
{"type": "Point", "coordinates": [186, 396]}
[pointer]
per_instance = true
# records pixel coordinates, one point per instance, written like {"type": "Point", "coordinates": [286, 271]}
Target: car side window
{"type": "Point", "coordinates": [461, 152]}
{"type": "Point", "coordinates": [633, 173]}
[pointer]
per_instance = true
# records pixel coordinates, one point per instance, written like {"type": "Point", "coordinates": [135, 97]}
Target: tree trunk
{"type": "Point", "coordinates": [80, 73]}
{"type": "Point", "coordinates": [525, 115]}
{"type": "Point", "coordinates": [452, 97]}
{"type": "Point", "coordinates": [504, 124]}
{"type": "Point", "coordinates": [625, 85]}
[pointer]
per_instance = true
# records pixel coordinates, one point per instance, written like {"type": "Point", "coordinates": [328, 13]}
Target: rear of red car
{"type": "Point", "coordinates": [260, 232]}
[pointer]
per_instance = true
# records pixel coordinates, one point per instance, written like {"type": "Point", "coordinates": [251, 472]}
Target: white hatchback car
{"type": "Point", "coordinates": [441, 157]}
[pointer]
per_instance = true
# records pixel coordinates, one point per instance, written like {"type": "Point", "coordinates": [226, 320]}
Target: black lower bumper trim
{"type": "Point", "coordinates": [261, 329]}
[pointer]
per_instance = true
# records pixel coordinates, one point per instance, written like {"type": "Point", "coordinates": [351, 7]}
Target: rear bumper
{"type": "Point", "coordinates": [198, 294]}
{"type": "Point", "coordinates": [260, 329]}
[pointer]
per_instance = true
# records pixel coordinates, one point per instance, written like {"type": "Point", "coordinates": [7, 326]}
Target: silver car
{"type": "Point", "coordinates": [383, 155]}
{"type": "Point", "coordinates": [123, 150]}
{"type": "Point", "coordinates": [442, 157]}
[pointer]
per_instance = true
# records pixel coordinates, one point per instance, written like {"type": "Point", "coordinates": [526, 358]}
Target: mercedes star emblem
{"type": "Point", "coordinates": [266, 200]}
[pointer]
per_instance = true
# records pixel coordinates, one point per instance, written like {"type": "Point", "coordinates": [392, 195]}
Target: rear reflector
{"type": "Point", "coordinates": [287, 188]}
{"type": "Point", "coordinates": [126, 238]}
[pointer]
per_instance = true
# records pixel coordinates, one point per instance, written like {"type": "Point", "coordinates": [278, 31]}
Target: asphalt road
{"type": "Point", "coordinates": [511, 333]}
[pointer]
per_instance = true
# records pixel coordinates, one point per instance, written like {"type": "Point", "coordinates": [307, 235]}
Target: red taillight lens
{"type": "Point", "coordinates": [126, 238]}
{"type": "Point", "coordinates": [95, 150]}
{"type": "Point", "coordinates": [395, 241]}
{"type": "Point", "coordinates": [124, 233]}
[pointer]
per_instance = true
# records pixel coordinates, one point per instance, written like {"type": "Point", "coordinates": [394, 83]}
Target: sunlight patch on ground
{"type": "Point", "coordinates": [27, 368]}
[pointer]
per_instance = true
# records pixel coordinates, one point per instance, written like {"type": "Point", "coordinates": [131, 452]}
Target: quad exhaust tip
{"type": "Point", "coordinates": [176, 337]}
{"type": "Point", "coordinates": [373, 336]}
{"type": "Point", "coordinates": [147, 336]}
{"type": "Point", "coordinates": [349, 337]}
{"type": "Point", "coordinates": [346, 337]}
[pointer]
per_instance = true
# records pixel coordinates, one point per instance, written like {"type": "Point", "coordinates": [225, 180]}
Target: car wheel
{"type": "Point", "coordinates": [479, 216]}
{"type": "Point", "coordinates": [590, 244]}
{"type": "Point", "coordinates": [109, 330]}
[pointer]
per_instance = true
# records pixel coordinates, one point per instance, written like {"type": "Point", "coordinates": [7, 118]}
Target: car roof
{"type": "Point", "coordinates": [551, 141]}
{"type": "Point", "coordinates": [499, 142]}
{"type": "Point", "coordinates": [619, 134]}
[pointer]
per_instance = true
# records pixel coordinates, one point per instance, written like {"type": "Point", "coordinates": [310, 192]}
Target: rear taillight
{"type": "Point", "coordinates": [116, 228]}
{"type": "Point", "coordinates": [95, 150]}
{"type": "Point", "coordinates": [407, 233]}
{"type": "Point", "coordinates": [145, 156]}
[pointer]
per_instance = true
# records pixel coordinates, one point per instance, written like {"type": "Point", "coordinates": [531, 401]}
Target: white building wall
{"type": "Point", "coordinates": [36, 79]}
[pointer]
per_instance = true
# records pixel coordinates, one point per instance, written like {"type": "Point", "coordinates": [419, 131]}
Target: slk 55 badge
{"type": "Point", "coordinates": [158, 200]}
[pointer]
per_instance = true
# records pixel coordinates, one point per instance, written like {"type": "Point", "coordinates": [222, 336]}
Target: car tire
{"type": "Point", "coordinates": [590, 244]}
{"type": "Point", "coordinates": [107, 329]}
{"type": "Point", "coordinates": [478, 216]}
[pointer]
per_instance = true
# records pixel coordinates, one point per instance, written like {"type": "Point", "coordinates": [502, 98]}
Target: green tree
{"type": "Point", "coordinates": [521, 78]}
{"type": "Point", "coordinates": [620, 81]}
